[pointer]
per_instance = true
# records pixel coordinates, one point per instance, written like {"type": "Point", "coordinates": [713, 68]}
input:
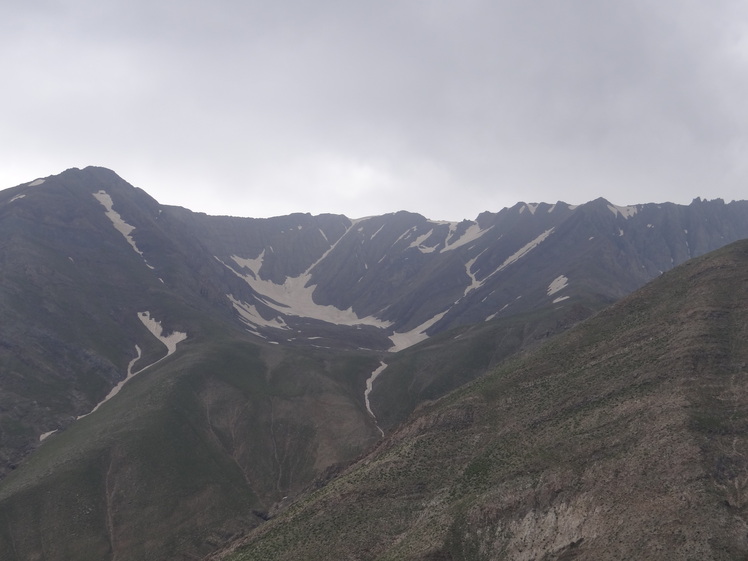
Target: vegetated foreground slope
{"type": "Point", "coordinates": [624, 438]}
{"type": "Point", "coordinates": [191, 452]}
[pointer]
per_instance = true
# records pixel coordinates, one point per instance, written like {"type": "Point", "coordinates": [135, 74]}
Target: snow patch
{"type": "Point", "coordinates": [119, 224]}
{"type": "Point", "coordinates": [419, 240]}
{"type": "Point", "coordinates": [250, 315]}
{"type": "Point", "coordinates": [524, 250]}
{"type": "Point", "coordinates": [407, 339]}
{"type": "Point", "coordinates": [170, 341]}
{"type": "Point", "coordinates": [624, 211]}
{"type": "Point", "coordinates": [115, 390]}
{"type": "Point", "coordinates": [22, 195]}
{"type": "Point", "coordinates": [374, 235]}
{"type": "Point", "coordinates": [504, 307]}
{"type": "Point", "coordinates": [155, 328]}
{"type": "Point", "coordinates": [471, 234]}
{"type": "Point", "coordinates": [36, 182]}
{"type": "Point", "coordinates": [254, 265]}
{"type": "Point", "coordinates": [405, 235]}
{"type": "Point", "coordinates": [559, 283]}
{"type": "Point", "coordinates": [474, 283]}
{"type": "Point", "coordinates": [369, 387]}
{"type": "Point", "coordinates": [44, 436]}
{"type": "Point", "coordinates": [560, 299]}
{"type": "Point", "coordinates": [450, 232]}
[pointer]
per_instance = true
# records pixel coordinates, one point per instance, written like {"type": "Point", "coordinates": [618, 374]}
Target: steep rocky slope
{"type": "Point", "coordinates": [412, 277]}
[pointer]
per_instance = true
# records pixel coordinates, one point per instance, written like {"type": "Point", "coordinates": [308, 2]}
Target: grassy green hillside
{"type": "Point", "coordinates": [624, 438]}
{"type": "Point", "coordinates": [189, 453]}
{"type": "Point", "coordinates": [446, 361]}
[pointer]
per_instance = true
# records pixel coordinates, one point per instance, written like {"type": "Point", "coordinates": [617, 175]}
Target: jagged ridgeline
{"type": "Point", "coordinates": [170, 380]}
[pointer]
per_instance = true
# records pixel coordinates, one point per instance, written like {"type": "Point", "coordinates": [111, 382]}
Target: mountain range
{"type": "Point", "coordinates": [263, 357]}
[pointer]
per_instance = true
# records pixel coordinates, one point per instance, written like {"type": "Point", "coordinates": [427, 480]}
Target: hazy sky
{"type": "Point", "coordinates": [447, 108]}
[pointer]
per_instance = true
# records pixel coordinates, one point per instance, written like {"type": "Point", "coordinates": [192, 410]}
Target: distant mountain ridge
{"type": "Point", "coordinates": [301, 340]}
{"type": "Point", "coordinates": [411, 277]}
{"type": "Point", "coordinates": [381, 283]}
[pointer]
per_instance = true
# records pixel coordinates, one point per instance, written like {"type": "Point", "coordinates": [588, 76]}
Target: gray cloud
{"type": "Point", "coordinates": [444, 108]}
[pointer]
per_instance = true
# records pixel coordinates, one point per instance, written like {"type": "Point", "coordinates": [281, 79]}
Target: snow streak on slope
{"type": "Point", "coordinates": [559, 283]}
{"type": "Point", "coordinates": [252, 264]}
{"type": "Point", "coordinates": [155, 328]}
{"type": "Point", "coordinates": [625, 211]}
{"type": "Point", "coordinates": [407, 339]}
{"type": "Point", "coordinates": [471, 234]}
{"type": "Point", "coordinates": [405, 234]}
{"type": "Point", "coordinates": [170, 341]}
{"type": "Point", "coordinates": [419, 240]}
{"type": "Point", "coordinates": [474, 283]}
{"type": "Point", "coordinates": [369, 387]}
{"type": "Point", "coordinates": [44, 436]}
{"type": "Point", "coordinates": [251, 316]}
{"type": "Point", "coordinates": [119, 224]}
{"type": "Point", "coordinates": [115, 390]}
{"type": "Point", "coordinates": [374, 235]}
{"type": "Point", "coordinates": [524, 250]}
{"type": "Point", "coordinates": [516, 256]}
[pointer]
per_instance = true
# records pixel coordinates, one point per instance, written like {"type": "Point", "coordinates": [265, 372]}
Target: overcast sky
{"type": "Point", "coordinates": [447, 108]}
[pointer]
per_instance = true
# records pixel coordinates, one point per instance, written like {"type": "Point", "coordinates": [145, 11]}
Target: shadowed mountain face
{"type": "Point", "coordinates": [624, 438]}
{"type": "Point", "coordinates": [262, 353]}
{"type": "Point", "coordinates": [410, 277]}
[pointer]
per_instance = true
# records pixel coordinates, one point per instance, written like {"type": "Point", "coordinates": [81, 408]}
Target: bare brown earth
{"type": "Point", "coordinates": [622, 439]}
